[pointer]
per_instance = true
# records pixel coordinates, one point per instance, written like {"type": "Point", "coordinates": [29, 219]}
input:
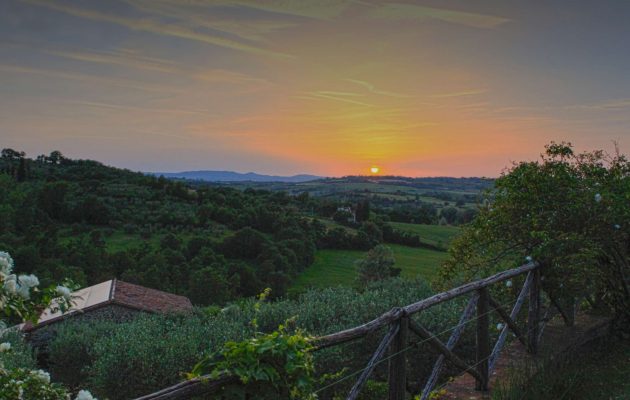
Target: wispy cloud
{"type": "Point", "coordinates": [321, 9]}
{"type": "Point", "coordinates": [124, 58]}
{"type": "Point", "coordinates": [371, 88]}
{"type": "Point", "coordinates": [155, 27]}
{"type": "Point", "coordinates": [128, 58]}
{"type": "Point", "coordinates": [460, 94]}
{"type": "Point", "coordinates": [195, 16]}
{"type": "Point", "coordinates": [414, 12]}
{"type": "Point", "coordinates": [344, 97]}
{"type": "Point", "coordinates": [124, 83]}
{"type": "Point", "coordinates": [138, 108]}
{"type": "Point", "coordinates": [225, 76]}
{"type": "Point", "coordinates": [615, 104]}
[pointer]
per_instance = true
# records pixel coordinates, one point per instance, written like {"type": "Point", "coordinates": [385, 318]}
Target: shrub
{"type": "Point", "coordinates": [71, 353]}
{"type": "Point", "coordinates": [153, 351]}
{"type": "Point", "coordinates": [270, 366]}
{"type": "Point", "coordinates": [21, 354]}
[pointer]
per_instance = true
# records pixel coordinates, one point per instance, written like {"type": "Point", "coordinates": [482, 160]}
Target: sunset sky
{"type": "Point", "coordinates": [418, 88]}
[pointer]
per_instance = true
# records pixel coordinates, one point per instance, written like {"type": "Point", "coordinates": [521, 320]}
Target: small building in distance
{"type": "Point", "coordinates": [112, 300]}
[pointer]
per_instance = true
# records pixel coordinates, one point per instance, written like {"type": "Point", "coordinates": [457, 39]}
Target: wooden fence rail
{"type": "Point", "coordinates": [396, 340]}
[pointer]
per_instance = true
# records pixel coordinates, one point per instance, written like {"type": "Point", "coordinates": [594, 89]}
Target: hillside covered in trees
{"type": "Point", "coordinates": [83, 220]}
{"type": "Point", "coordinates": [80, 219]}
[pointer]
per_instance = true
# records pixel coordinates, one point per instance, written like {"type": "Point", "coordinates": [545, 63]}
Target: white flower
{"type": "Point", "coordinates": [598, 197]}
{"type": "Point", "coordinates": [528, 258]}
{"type": "Point", "coordinates": [85, 395]}
{"type": "Point", "coordinates": [28, 280]}
{"type": "Point", "coordinates": [6, 346]}
{"type": "Point", "coordinates": [508, 283]}
{"type": "Point", "coordinates": [23, 291]}
{"type": "Point", "coordinates": [64, 292]}
{"type": "Point", "coordinates": [41, 375]}
{"type": "Point", "coordinates": [499, 326]}
{"type": "Point", "coordinates": [6, 263]}
{"type": "Point", "coordinates": [10, 284]}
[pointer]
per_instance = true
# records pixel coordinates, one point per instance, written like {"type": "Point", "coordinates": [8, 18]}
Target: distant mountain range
{"type": "Point", "coordinates": [231, 176]}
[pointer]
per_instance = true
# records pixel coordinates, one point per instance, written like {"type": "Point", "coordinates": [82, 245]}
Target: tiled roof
{"type": "Point", "coordinates": [118, 293]}
{"type": "Point", "coordinates": [146, 299]}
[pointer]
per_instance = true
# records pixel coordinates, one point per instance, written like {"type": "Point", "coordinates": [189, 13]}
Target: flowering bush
{"type": "Point", "coordinates": [20, 298]}
{"type": "Point", "coordinates": [22, 383]}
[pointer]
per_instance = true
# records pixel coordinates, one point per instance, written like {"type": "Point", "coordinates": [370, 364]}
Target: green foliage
{"type": "Point", "coordinates": [374, 390]}
{"type": "Point", "coordinates": [377, 265]}
{"type": "Point", "coordinates": [274, 365]}
{"type": "Point", "coordinates": [72, 351]}
{"type": "Point", "coordinates": [152, 352]}
{"type": "Point", "coordinates": [81, 219]}
{"type": "Point", "coordinates": [148, 353]}
{"type": "Point", "coordinates": [20, 355]}
{"type": "Point", "coordinates": [27, 384]}
{"type": "Point", "coordinates": [569, 212]}
{"type": "Point", "coordinates": [270, 366]}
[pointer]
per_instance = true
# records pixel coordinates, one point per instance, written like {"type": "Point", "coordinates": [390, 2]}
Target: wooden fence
{"type": "Point", "coordinates": [397, 338]}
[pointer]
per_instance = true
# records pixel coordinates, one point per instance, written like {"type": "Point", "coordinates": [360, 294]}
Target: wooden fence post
{"type": "Point", "coordinates": [483, 339]}
{"type": "Point", "coordinates": [533, 316]}
{"type": "Point", "coordinates": [397, 364]}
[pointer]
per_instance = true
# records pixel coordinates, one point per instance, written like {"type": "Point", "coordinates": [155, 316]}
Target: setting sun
{"type": "Point", "coordinates": [375, 170]}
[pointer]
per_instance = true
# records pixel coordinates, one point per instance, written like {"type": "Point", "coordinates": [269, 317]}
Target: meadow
{"type": "Point", "coordinates": [338, 267]}
{"type": "Point", "coordinates": [438, 235]}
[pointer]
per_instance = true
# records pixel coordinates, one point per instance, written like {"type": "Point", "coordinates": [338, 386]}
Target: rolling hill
{"type": "Point", "coordinates": [231, 176]}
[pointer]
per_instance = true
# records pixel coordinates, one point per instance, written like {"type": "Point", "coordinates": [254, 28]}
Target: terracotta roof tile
{"type": "Point", "coordinates": [143, 298]}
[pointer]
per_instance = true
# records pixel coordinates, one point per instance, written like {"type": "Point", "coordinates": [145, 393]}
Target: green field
{"type": "Point", "coordinates": [337, 267]}
{"type": "Point", "coordinates": [434, 234]}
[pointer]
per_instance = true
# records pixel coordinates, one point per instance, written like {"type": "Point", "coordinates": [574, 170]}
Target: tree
{"type": "Point", "coordinates": [56, 157]}
{"type": "Point", "coordinates": [245, 243]}
{"type": "Point", "coordinates": [373, 233]}
{"type": "Point", "coordinates": [569, 213]}
{"type": "Point", "coordinates": [343, 217]}
{"type": "Point", "coordinates": [12, 155]}
{"type": "Point", "coordinates": [21, 171]}
{"type": "Point", "coordinates": [363, 210]}
{"type": "Point", "coordinates": [449, 214]}
{"type": "Point", "coordinates": [378, 264]}
{"type": "Point", "coordinates": [209, 285]}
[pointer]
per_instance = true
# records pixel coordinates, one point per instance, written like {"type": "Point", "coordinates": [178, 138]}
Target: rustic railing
{"type": "Point", "coordinates": [397, 342]}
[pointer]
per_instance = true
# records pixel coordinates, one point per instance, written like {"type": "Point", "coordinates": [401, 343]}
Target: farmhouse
{"type": "Point", "coordinates": [113, 300]}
